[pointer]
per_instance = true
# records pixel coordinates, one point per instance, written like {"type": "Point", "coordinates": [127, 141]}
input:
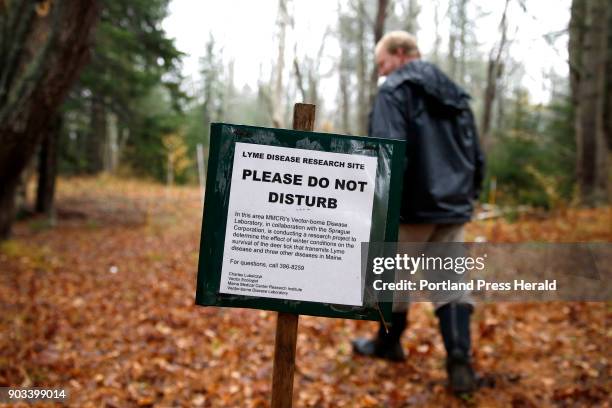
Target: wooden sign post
{"type": "Point", "coordinates": [284, 359]}
{"type": "Point", "coordinates": [287, 323]}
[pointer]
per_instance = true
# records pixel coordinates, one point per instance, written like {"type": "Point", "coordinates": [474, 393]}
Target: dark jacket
{"type": "Point", "coordinates": [418, 103]}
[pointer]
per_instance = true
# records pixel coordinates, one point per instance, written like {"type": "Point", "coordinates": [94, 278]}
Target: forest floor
{"type": "Point", "coordinates": [102, 304]}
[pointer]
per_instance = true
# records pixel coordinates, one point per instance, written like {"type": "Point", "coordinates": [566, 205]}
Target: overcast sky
{"type": "Point", "coordinates": [245, 29]}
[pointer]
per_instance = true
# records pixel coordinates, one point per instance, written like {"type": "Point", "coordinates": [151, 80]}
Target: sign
{"type": "Point", "coordinates": [296, 219]}
{"type": "Point", "coordinates": [285, 215]}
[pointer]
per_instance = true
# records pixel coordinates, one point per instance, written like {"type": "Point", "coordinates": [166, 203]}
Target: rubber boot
{"type": "Point", "coordinates": [455, 328]}
{"type": "Point", "coordinates": [385, 345]}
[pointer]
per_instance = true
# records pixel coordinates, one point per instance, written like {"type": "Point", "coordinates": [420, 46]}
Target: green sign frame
{"type": "Point", "coordinates": [384, 226]}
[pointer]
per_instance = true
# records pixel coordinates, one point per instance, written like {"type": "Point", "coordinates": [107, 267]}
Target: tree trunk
{"type": "Point", "coordinates": [345, 102]}
{"type": "Point", "coordinates": [283, 18]}
{"type": "Point", "coordinates": [96, 137]}
{"type": "Point", "coordinates": [362, 83]}
{"type": "Point", "coordinates": [169, 170]}
{"type": "Point", "coordinates": [608, 107]}
{"type": "Point", "coordinates": [489, 98]}
{"type": "Point", "coordinates": [500, 102]}
{"type": "Point", "coordinates": [44, 46]}
{"type": "Point", "coordinates": [438, 39]}
{"type": "Point", "coordinates": [452, 40]}
{"type": "Point", "coordinates": [7, 205]}
{"type": "Point", "coordinates": [47, 168]}
{"type": "Point", "coordinates": [411, 16]}
{"type": "Point", "coordinates": [462, 17]}
{"type": "Point", "coordinates": [344, 72]}
{"type": "Point", "coordinates": [591, 141]}
{"type": "Point", "coordinates": [300, 80]}
{"type": "Point", "coordinates": [228, 94]}
{"type": "Point", "coordinates": [21, 195]}
{"type": "Point", "coordinates": [111, 145]}
{"type": "Point", "coordinates": [379, 27]}
{"type": "Point", "coordinates": [576, 31]}
{"type": "Point", "coordinates": [494, 71]}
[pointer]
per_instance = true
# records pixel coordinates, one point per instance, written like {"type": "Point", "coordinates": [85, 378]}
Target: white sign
{"type": "Point", "coordinates": [295, 224]}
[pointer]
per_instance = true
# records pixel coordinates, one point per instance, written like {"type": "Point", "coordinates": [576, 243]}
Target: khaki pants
{"type": "Point", "coordinates": [428, 233]}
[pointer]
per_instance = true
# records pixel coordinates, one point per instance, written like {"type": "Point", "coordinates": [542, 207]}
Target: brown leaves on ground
{"type": "Point", "coordinates": [103, 305]}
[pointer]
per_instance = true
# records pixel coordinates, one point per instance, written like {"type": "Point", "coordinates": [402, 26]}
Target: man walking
{"type": "Point", "coordinates": [418, 103]}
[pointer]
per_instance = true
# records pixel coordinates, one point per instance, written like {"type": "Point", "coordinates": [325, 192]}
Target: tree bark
{"type": "Point", "coordinates": [7, 205]}
{"type": "Point", "coordinates": [379, 23]}
{"type": "Point", "coordinates": [489, 98]}
{"type": "Point", "coordinates": [591, 141]}
{"type": "Point", "coordinates": [97, 136]}
{"type": "Point", "coordinates": [494, 68]}
{"type": "Point", "coordinates": [452, 40]}
{"type": "Point", "coordinates": [47, 168]}
{"type": "Point", "coordinates": [345, 101]}
{"type": "Point", "coordinates": [438, 39]}
{"type": "Point", "coordinates": [299, 80]}
{"type": "Point", "coordinates": [462, 17]}
{"type": "Point", "coordinates": [608, 103]}
{"type": "Point", "coordinates": [111, 145]}
{"type": "Point", "coordinates": [576, 31]}
{"type": "Point", "coordinates": [282, 20]}
{"type": "Point", "coordinates": [379, 27]}
{"type": "Point", "coordinates": [43, 47]}
{"type": "Point", "coordinates": [362, 83]}
{"type": "Point", "coordinates": [344, 72]}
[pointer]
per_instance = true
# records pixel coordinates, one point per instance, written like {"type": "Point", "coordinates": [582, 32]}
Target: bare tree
{"type": "Point", "coordinates": [367, 76]}
{"type": "Point", "coordinates": [362, 89]}
{"type": "Point", "coordinates": [494, 71]}
{"type": "Point", "coordinates": [438, 38]}
{"type": "Point", "coordinates": [345, 70]}
{"type": "Point", "coordinates": [210, 70]}
{"type": "Point", "coordinates": [277, 95]}
{"type": "Point", "coordinates": [307, 72]}
{"type": "Point", "coordinates": [463, 27]}
{"type": "Point", "coordinates": [230, 90]}
{"type": "Point", "coordinates": [379, 27]}
{"type": "Point", "coordinates": [412, 9]}
{"type": "Point", "coordinates": [43, 47]}
{"type": "Point", "coordinates": [457, 42]}
{"type": "Point", "coordinates": [452, 40]}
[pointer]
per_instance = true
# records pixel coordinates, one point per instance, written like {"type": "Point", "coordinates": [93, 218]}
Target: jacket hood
{"type": "Point", "coordinates": [432, 81]}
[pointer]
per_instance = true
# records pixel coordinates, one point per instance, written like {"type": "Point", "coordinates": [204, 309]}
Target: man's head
{"type": "Point", "coordinates": [394, 50]}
